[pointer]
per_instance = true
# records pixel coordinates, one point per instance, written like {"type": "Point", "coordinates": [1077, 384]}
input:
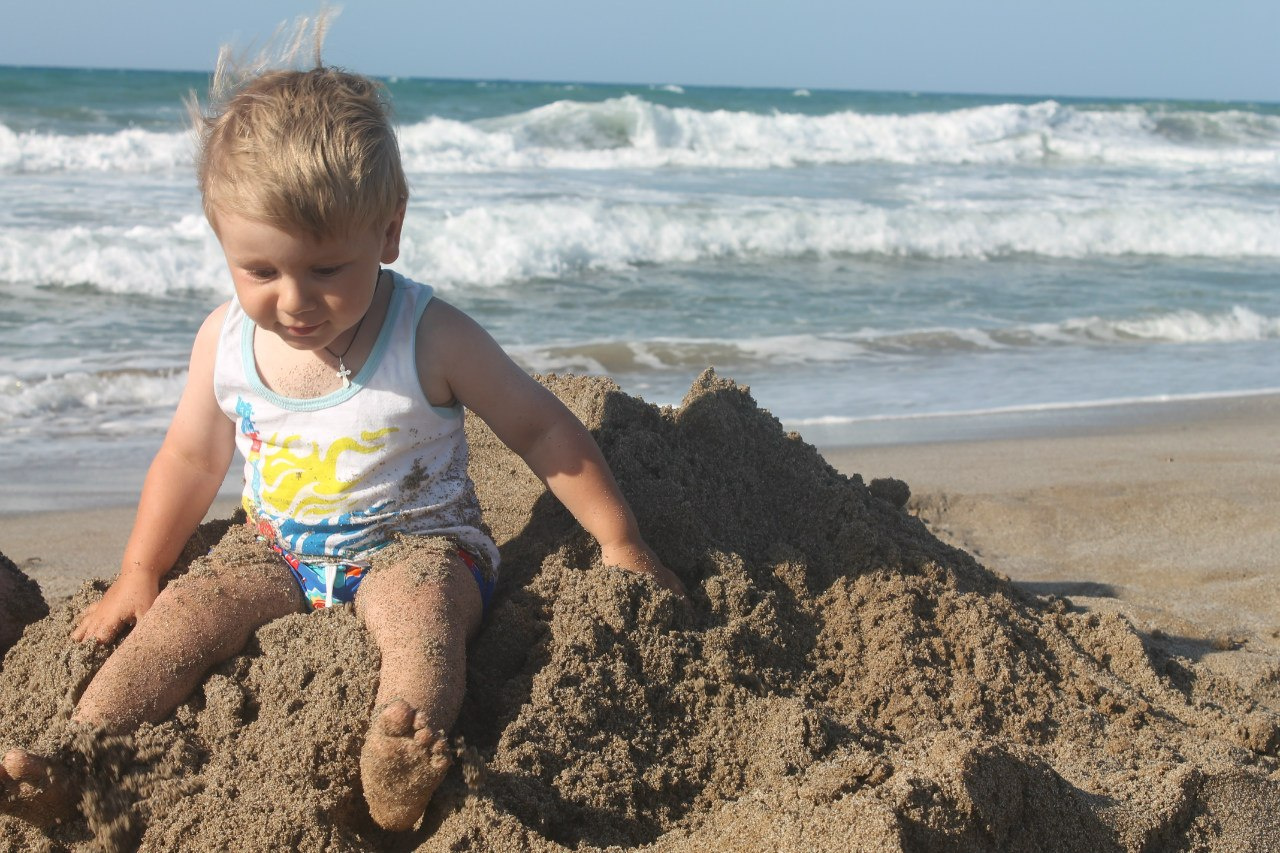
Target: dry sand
{"type": "Point", "coordinates": [844, 680]}
{"type": "Point", "coordinates": [1171, 518]}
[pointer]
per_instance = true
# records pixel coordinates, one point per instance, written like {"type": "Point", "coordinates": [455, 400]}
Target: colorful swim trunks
{"type": "Point", "coordinates": [327, 581]}
{"type": "Point", "coordinates": [323, 583]}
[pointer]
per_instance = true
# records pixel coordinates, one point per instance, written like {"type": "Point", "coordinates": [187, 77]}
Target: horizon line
{"type": "Point", "coordinates": [912, 92]}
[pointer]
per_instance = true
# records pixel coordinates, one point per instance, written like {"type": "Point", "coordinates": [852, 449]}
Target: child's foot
{"type": "Point", "coordinates": [401, 765]}
{"type": "Point", "coordinates": [34, 789]}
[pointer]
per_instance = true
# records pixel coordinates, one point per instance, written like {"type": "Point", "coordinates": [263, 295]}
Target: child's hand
{"type": "Point", "coordinates": [124, 603]}
{"type": "Point", "coordinates": [639, 557]}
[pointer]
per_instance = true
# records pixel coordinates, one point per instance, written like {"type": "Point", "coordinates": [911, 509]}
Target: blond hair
{"type": "Point", "coordinates": [310, 150]}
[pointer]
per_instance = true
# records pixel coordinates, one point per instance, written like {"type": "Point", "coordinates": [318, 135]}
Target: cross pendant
{"type": "Point", "coordinates": [344, 373]}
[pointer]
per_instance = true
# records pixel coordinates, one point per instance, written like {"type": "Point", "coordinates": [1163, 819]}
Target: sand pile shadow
{"type": "Point", "coordinates": [20, 603]}
{"type": "Point", "coordinates": [842, 681]}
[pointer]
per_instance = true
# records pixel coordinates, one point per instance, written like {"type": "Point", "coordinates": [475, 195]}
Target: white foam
{"type": "Point", "coordinates": [131, 150]}
{"type": "Point", "coordinates": [1238, 324]}
{"type": "Point", "coordinates": [81, 400]}
{"type": "Point", "coordinates": [499, 243]}
{"type": "Point", "coordinates": [505, 242]}
{"type": "Point", "coordinates": [629, 132]}
{"type": "Point", "coordinates": [771, 352]}
{"type": "Point", "coordinates": [154, 260]}
{"type": "Point", "coordinates": [661, 354]}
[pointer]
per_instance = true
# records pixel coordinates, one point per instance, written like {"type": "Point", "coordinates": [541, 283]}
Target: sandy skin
{"type": "Point", "coordinates": [421, 607]}
{"type": "Point", "coordinates": [421, 613]}
{"type": "Point", "coordinates": [35, 790]}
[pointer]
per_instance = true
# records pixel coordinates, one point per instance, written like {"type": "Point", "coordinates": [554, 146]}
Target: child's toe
{"type": "Point", "coordinates": [17, 765]}
{"type": "Point", "coordinates": [397, 719]}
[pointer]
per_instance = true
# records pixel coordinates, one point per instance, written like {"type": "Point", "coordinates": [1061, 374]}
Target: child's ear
{"type": "Point", "coordinates": [391, 236]}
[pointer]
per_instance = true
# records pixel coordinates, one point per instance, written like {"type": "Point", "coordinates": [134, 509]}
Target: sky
{"type": "Point", "coordinates": [1187, 49]}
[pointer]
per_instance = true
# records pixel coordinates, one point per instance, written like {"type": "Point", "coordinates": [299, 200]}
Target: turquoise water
{"type": "Point", "coordinates": [873, 265]}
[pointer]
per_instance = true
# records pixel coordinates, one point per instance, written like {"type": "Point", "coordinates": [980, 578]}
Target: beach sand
{"type": "Point", "coordinates": [847, 678]}
{"type": "Point", "coordinates": [1168, 513]}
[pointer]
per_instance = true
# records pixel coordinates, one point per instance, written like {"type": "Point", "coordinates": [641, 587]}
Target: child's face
{"type": "Point", "coordinates": [306, 291]}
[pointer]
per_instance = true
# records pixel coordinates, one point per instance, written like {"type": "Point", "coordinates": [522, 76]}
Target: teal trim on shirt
{"type": "Point", "coordinates": [454, 411]}
{"type": "Point", "coordinates": [315, 404]}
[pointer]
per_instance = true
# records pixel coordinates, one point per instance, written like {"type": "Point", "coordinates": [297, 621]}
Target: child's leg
{"type": "Point", "coordinates": [196, 622]}
{"type": "Point", "coordinates": [421, 606]}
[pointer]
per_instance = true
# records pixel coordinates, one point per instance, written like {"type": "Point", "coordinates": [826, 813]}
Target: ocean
{"type": "Point", "coordinates": [876, 266]}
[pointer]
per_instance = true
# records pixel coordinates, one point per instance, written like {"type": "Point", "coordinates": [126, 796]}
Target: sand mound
{"type": "Point", "coordinates": [20, 603]}
{"type": "Point", "coordinates": [842, 681]}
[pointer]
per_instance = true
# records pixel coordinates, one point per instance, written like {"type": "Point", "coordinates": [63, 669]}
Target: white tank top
{"type": "Point", "coordinates": [332, 478]}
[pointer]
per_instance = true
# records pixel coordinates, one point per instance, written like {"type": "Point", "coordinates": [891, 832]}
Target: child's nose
{"type": "Point", "coordinates": [292, 296]}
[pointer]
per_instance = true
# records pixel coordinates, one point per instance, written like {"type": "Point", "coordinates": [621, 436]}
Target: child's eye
{"type": "Point", "coordinates": [261, 274]}
{"type": "Point", "coordinates": [327, 271]}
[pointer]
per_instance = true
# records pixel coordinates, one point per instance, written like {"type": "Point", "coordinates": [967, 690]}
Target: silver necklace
{"type": "Point", "coordinates": [344, 372]}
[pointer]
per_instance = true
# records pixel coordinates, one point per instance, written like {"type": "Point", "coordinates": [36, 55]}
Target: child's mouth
{"type": "Point", "coordinates": [301, 331]}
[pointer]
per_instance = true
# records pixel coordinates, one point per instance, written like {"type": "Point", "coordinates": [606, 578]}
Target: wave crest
{"type": "Point", "coordinates": [506, 243]}
{"type": "Point", "coordinates": [130, 150]}
{"type": "Point", "coordinates": [1240, 324]}
{"type": "Point", "coordinates": [629, 132]}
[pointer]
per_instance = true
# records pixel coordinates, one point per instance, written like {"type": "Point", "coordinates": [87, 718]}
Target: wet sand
{"type": "Point", "coordinates": [62, 550]}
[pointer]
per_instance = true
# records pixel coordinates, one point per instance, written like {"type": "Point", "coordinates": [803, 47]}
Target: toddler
{"type": "Point", "coordinates": [343, 384]}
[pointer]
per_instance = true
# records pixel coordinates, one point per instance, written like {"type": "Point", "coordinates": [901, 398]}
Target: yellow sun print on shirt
{"type": "Point", "coordinates": [298, 479]}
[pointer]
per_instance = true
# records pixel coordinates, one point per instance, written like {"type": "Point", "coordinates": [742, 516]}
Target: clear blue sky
{"type": "Point", "coordinates": [1210, 49]}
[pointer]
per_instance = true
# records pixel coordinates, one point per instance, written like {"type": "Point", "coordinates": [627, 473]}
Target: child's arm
{"type": "Point", "coordinates": [180, 487]}
{"type": "Point", "coordinates": [458, 360]}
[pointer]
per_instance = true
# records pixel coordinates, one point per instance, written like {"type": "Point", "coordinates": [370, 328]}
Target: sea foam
{"type": "Point", "coordinates": [494, 244]}
{"type": "Point", "coordinates": [815, 349]}
{"type": "Point", "coordinates": [503, 243]}
{"type": "Point", "coordinates": [629, 132]}
{"type": "Point", "coordinates": [129, 150]}
{"type": "Point", "coordinates": [63, 399]}
{"type": "Point", "coordinates": [153, 260]}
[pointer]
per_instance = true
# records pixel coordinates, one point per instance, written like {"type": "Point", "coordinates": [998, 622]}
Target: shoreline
{"type": "Point", "coordinates": [112, 486]}
{"type": "Point", "coordinates": [1061, 420]}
